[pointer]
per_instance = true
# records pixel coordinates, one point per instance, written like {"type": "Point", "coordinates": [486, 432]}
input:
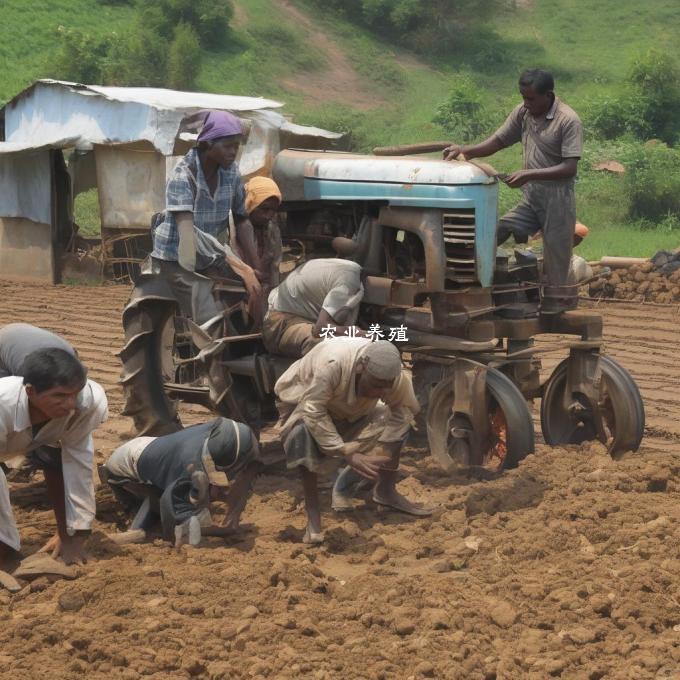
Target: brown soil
{"type": "Point", "coordinates": [566, 567]}
{"type": "Point", "coordinates": [639, 283]}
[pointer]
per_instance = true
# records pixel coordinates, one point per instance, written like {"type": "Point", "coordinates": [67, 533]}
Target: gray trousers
{"type": "Point", "coordinates": [194, 291]}
{"type": "Point", "coordinates": [302, 451]}
{"type": "Point", "coordinates": [550, 207]}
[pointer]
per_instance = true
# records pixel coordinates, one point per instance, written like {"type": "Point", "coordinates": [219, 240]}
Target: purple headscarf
{"type": "Point", "coordinates": [219, 124]}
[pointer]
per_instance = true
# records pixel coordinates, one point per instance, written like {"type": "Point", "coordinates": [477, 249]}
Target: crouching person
{"type": "Point", "coordinates": [347, 401]}
{"type": "Point", "coordinates": [186, 470]}
{"type": "Point", "coordinates": [320, 294]}
{"type": "Point", "coordinates": [49, 414]}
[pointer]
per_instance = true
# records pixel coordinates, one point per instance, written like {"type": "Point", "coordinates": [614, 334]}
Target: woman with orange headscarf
{"type": "Point", "coordinates": [258, 242]}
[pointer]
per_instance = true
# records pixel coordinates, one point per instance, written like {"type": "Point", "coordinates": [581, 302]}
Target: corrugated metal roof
{"type": "Point", "coordinates": [160, 98]}
{"type": "Point", "coordinates": [52, 111]}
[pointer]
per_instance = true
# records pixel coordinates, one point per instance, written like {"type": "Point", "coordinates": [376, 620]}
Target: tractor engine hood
{"type": "Point", "coordinates": [292, 167]}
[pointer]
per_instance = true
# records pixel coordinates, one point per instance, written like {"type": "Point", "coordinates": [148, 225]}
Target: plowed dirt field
{"type": "Point", "coordinates": [565, 567]}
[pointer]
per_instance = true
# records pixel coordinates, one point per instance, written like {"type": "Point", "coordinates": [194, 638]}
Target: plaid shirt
{"type": "Point", "coordinates": [187, 191]}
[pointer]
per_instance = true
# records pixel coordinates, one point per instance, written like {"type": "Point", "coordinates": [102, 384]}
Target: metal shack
{"type": "Point", "coordinates": [64, 138]}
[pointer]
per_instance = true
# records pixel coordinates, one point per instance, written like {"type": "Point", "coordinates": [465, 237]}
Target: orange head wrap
{"type": "Point", "coordinates": [258, 190]}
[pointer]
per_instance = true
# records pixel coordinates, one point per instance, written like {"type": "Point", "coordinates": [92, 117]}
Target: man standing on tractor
{"type": "Point", "coordinates": [205, 188]}
{"type": "Point", "coordinates": [552, 141]}
{"type": "Point", "coordinates": [347, 401]}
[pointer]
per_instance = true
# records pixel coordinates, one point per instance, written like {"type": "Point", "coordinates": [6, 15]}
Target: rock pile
{"type": "Point", "coordinates": [655, 281]}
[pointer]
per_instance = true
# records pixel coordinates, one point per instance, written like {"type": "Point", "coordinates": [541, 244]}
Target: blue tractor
{"type": "Point", "coordinates": [464, 316]}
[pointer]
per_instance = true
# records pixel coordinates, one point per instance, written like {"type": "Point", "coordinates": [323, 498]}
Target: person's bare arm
{"type": "Point", "coordinates": [245, 241]}
{"type": "Point", "coordinates": [564, 170]}
{"type": "Point", "coordinates": [486, 148]}
{"type": "Point", "coordinates": [253, 287]}
{"type": "Point", "coordinates": [187, 243]}
{"type": "Point", "coordinates": [70, 548]}
{"type": "Point", "coordinates": [325, 319]}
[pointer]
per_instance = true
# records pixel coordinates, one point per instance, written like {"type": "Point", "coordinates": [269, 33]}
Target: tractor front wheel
{"type": "Point", "coordinates": [573, 420]}
{"type": "Point", "coordinates": [510, 432]}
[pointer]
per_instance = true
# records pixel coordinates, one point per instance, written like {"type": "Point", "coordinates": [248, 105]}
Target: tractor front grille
{"type": "Point", "coordinates": [459, 244]}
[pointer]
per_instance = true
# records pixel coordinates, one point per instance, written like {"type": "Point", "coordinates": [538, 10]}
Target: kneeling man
{"type": "Point", "coordinates": [348, 400]}
{"type": "Point", "coordinates": [218, 460]}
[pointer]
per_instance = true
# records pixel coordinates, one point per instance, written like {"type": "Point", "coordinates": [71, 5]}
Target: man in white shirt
{"type": "Point", "coordinates": [321, 294]}
{"type": "Point", "coordinates": [50, 413]}
{"type": "Point", "coordinates": [347, 401]}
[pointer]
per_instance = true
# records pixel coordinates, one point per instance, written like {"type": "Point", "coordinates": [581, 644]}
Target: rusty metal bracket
{"type": "Point", "coordinates": [458, 408]}
{"type": "Point", "coordinates": [584, 377]}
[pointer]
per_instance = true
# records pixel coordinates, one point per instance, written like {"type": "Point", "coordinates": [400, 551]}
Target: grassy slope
{"type": "Point", "coordinates": [29, 38]}
{"type": "Point", "coordinates": [589, 46]}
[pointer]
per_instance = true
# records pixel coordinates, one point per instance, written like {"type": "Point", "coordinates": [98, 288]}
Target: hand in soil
{"type": "Point", "coordinates": [70, 549]}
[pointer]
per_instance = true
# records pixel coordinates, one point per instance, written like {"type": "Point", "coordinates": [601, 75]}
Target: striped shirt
{"type": "Point", "coordinates": [188, 191]}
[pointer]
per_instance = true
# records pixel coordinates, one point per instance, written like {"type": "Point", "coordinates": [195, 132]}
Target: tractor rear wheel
{"type": "Point", "coordinates": [619, 403]}
{"type": "Point", "coordinates": [144, 359]}
{"type": "Point", "coordinates": [510, 426]}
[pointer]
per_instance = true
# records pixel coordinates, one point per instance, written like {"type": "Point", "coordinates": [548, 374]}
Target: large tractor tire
{"type": "Point", "coordinates": [158, 363]}
{"type": "Point", "coordinates": [509, 423]}
{"type": "Point", "coordinates": [619, 403]}
{"type": "Point", "coordinates": [145, 319]}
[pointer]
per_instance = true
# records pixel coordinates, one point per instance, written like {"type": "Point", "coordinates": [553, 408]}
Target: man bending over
{"type": "Point", "coordinates": [189, 468]}
{"type": "Point", "coordinates": [50, 414]}
{"type": "Point", "coordinates": [331, 412]}
{"type": "Point", "coordinates": [318, 294]}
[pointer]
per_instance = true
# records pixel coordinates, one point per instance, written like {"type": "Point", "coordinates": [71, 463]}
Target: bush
{"type": "Point", "coordinates": [81, 56]}
{"type": "Point", "coordinates": [653, 183]}
{"type": "Point", "coordinates": [463, 115]}
{"type": "Point", "coordinates": [648, 106]}
{"type": "Point", "coordinates": [209, 19]}
{"type": "Point", "coordinates": [138, 60]}
{"type": "Point", "coordinates": [184, 58]}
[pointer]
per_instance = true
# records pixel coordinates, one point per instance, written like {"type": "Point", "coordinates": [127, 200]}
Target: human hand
{"type": "Point", "coordinates": [252, 283]}
{"type": "Point", "coordinates": [517, 179]}
{"type": "Point", "coordinates": [452, 152]}
{"type": "Point", "coordinates": [71, 549]}
{"type": "Point", "coordinates": [367, 466]}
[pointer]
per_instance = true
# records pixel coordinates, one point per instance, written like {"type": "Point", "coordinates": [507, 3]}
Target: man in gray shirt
{"type": "Point", "coordinates": [320, 299]}
{"type": "Point", "coordinates": [18, 340]}
{"type": "Point", "coordinates": [552, 141]}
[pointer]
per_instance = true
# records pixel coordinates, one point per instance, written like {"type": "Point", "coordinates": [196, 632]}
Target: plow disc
{"type": "Point", "coordinates": [497, 432]}
{"type": "Point", "coordinates": [617, 417]}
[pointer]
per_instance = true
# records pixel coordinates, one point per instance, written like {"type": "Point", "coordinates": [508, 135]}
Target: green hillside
{"type": "Point", "coordinates": [338, 74]}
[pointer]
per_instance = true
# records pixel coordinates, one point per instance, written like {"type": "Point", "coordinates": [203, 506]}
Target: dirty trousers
{"type": "Point", "coordinates": [302, 451]}
{"type": "Point", "coordinates": [194, 290]}
{"type": "Point", "coordinates": [288, 335]}
{"type": "Point", "coordinates": [43, 457]}
{"type": "Point", "coordinates": [550, 207]}
{"type": "Point", "coordinates": [9, 535]}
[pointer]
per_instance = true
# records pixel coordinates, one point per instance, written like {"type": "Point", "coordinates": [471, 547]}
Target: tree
{"type": "Point", "coordinates": [463, 115]}
{"type": "Point", "coordinates": [184, 58]}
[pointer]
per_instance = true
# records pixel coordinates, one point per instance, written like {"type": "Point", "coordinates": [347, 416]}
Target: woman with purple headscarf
{"type": "Point", "coordinates": [189, 238]}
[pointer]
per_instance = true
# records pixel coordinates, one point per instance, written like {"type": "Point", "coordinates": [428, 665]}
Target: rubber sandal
{"type": "Point", "coordinates": [411, 509]}
{"type": "Point", "coordinates": [313, 537]}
